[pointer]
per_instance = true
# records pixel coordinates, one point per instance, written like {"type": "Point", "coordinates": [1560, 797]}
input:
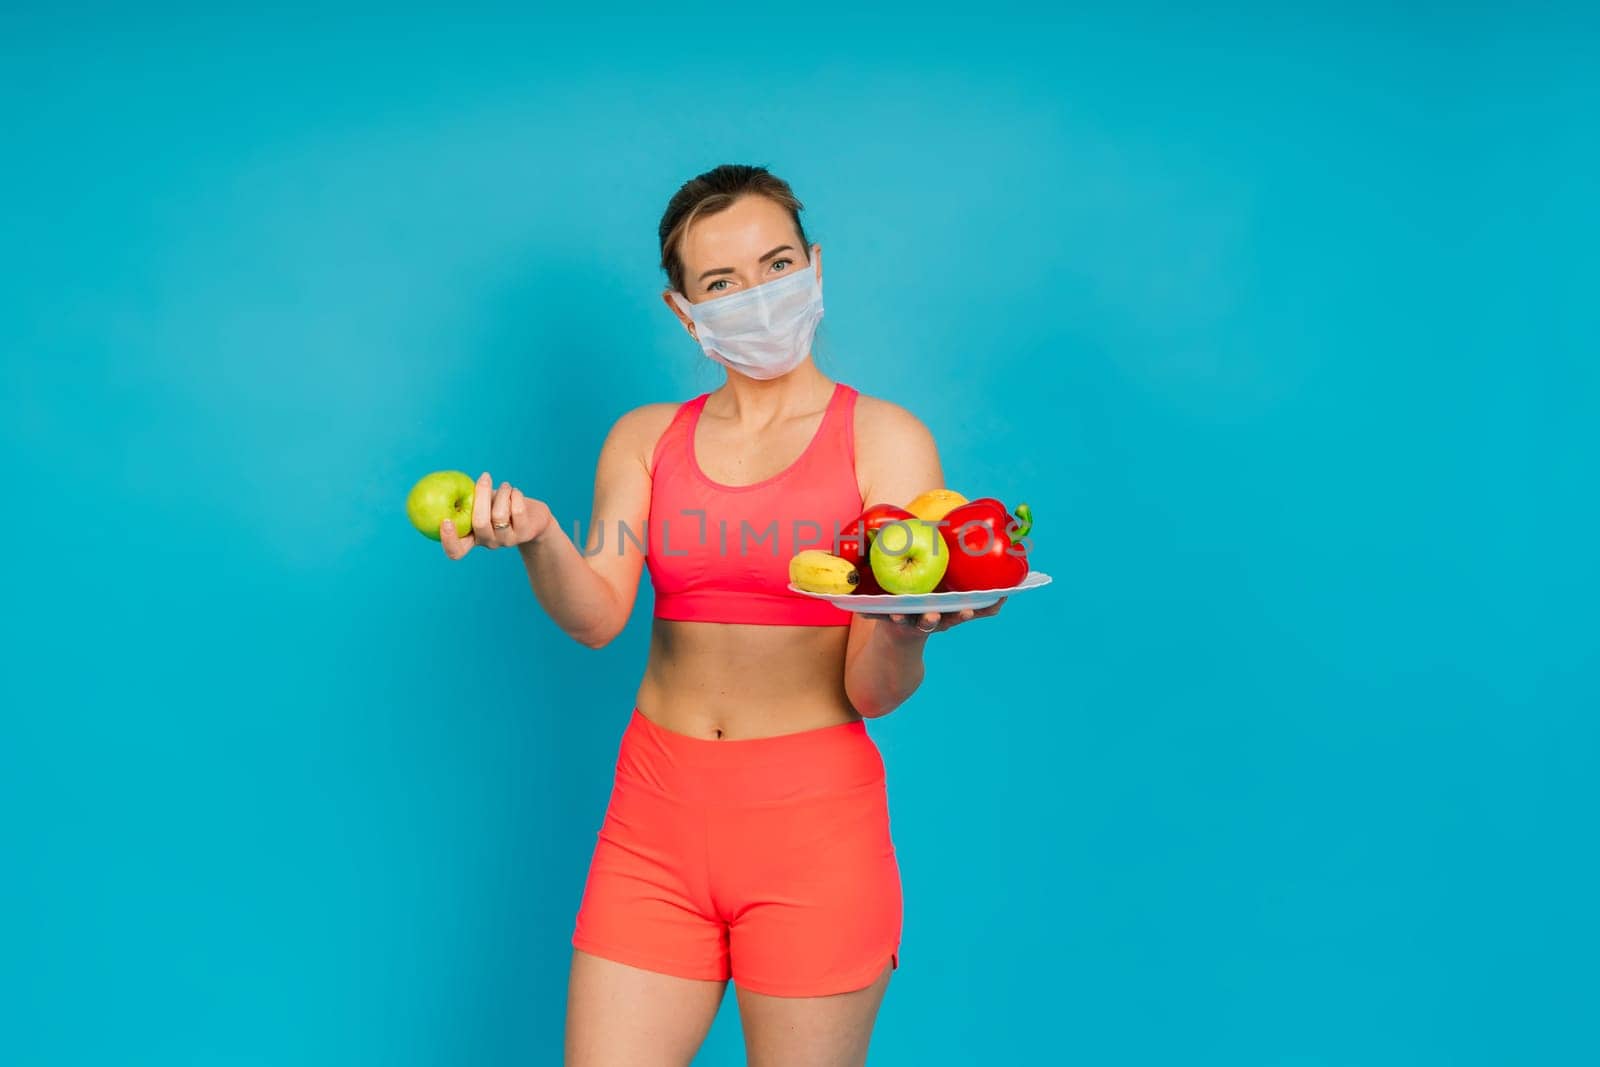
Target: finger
{"type": "Point", "coordinates": [500, 510]}
{"type": "Point", "coordinates": [929, 621]}
{"type": "Point", "coordinates": [482, 499]}
{"type": "Point", "coordinates": [519, 516]}
{"type": "Point", "coordinates": [454, 547]}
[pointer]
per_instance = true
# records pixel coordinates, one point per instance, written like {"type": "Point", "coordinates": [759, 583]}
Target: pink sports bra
{"type": "Point", "coordinates": [720, 553]}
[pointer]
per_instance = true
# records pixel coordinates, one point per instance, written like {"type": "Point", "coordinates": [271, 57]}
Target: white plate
{"type": "Point", "coordinates": [915, 603]}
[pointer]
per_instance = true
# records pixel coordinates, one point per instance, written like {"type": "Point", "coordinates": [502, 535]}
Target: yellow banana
{"type": "Point", "coordinates": [817, 571]}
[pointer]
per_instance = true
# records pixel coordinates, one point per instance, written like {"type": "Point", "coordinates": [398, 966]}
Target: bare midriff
{"type": "Point", "coordinates": [734, 681]}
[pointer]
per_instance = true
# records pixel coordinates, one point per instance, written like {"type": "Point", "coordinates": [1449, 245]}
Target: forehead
{"type": "Point", "coordinates": [741, 233]}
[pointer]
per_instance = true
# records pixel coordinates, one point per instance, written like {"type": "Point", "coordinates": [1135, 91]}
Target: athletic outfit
{"type": "Point", "coordinates": [767, 860]}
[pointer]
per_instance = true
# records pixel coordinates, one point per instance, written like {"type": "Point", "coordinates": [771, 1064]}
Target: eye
{"type": "Point", "coordinates": [712, 288]}
{"type": "Point", "coordinates": [778, 261]}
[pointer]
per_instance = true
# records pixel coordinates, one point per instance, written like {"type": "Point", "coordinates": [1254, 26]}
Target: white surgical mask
{"type": "Point", "coordinates": [764, 331]}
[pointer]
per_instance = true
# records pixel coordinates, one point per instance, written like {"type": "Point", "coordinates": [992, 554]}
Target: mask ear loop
{"type": "Point", "coordinates": [683, 306]}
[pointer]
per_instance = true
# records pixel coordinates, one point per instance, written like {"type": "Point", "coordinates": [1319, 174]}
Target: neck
{"type": "Point", "coordinates": [759, 401]}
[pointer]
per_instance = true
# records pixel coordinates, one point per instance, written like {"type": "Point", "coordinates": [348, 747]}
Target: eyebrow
{"type": "Point", "coordinates": [729, 270]}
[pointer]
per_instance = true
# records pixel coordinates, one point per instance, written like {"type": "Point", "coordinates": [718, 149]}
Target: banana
{"type": "Point", "coordinates": [817, 571]}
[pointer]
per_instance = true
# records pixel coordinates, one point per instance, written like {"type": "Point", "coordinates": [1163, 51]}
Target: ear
{"type": "Point", "coordinates": [683, 317]}
{"type": "Point", "coordinates": [816, 259]}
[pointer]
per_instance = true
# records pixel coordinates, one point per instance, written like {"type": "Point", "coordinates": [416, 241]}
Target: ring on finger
{"type": "Point", "coordinates": [501, 525]}
{"type": "Point", "coordinates": [927, 629]}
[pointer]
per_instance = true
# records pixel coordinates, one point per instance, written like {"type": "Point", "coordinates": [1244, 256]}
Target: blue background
{"type": "Point", "coordinates": [1284, 324]}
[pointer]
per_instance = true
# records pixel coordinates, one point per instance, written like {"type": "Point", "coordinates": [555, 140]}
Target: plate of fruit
{"type": "Point", "coordinates": [941, 552]}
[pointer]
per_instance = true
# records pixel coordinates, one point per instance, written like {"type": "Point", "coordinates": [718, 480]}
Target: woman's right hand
{"type": "Point", "coordinates": [523, 517]}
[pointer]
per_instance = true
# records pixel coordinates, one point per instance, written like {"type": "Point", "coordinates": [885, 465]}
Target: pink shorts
{"type": "Point", "coordinates": [766, 860]}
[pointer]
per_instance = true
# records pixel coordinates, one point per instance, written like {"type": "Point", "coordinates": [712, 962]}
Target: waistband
{"type": "Point", "coordinates": [782, 768]}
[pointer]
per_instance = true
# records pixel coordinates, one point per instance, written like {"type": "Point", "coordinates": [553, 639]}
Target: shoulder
{"type": "Point", "coordinates": [883, 424]}
{"type": "Point", "coordinates": [634, 433]}
{"type": "Point", "coordinates": [896, 456]}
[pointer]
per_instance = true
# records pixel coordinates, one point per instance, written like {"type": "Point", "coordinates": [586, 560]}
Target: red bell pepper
{"type": "Point", "coordinates": [987, 550]}
{"type": "Point", "coordinates": [855, 540]}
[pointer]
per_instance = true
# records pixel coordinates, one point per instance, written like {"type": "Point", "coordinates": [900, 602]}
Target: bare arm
{"type": "Point", "coordinates": [897, 460]}
{"type": "Point", "coordinates": [590, 595]}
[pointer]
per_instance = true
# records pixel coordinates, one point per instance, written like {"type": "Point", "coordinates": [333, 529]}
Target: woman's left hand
{"type": "Point", "coordinates": [933, 621]}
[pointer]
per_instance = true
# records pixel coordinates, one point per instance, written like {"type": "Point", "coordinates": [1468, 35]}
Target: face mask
{"type": "Point", "coordinates": [762, 332]}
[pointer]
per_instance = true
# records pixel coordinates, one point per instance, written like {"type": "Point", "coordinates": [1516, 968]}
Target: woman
{"type": "Point", "coordinates": [747, 834]}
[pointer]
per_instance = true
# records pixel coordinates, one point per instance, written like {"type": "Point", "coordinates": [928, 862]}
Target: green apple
{"type": "Point", "coordinates": [439, 496]}
{"type": "Point", "coordinates": [909, 556]}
